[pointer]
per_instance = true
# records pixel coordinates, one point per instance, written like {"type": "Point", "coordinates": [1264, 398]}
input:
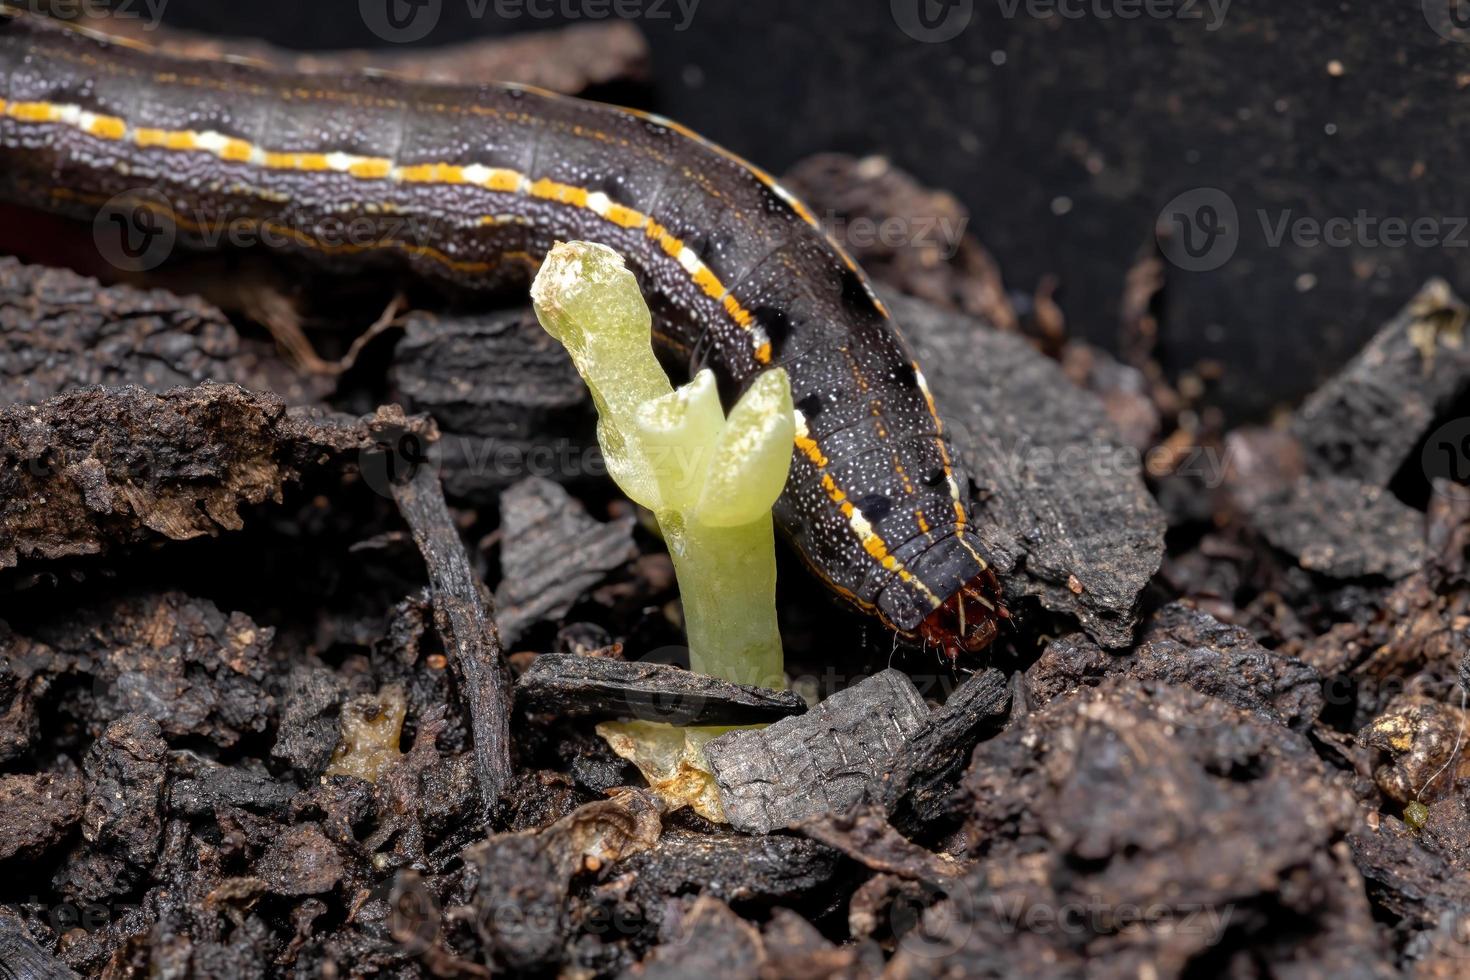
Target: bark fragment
{"type": "Point", "coordinates": [597, 687]}
{"type": "Point", "coordinates": [506, 397]}
{"type": "Point", "coordinates": [915, 788]}
{"type": "Point", "coordinates": [1344, 529]}
{"type": "Point", "coordinates": [21, 957]}
{"type": "Point", "coordinates": [1059, 499]}
{"type": "Point", "coordinates": [819, 762]}
{"type": "Point", "coordinates": [1365, 422]}
{"type": "Point", "coordinates": [96, 468]}
{"type": "Point", "coordinates": [464, 619]}
{"type": "Point", "coordinates": [553, 554]}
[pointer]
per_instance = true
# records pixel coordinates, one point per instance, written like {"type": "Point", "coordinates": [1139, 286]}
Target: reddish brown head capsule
{"type": "Point", "coordinates": [969, 620]}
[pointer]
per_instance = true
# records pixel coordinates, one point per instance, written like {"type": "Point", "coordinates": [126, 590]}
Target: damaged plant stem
{"type": "Point", "coordinates": [710, 481]}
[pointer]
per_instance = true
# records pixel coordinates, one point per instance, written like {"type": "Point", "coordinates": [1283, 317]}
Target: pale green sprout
{"type": "Point", "coordinates": [709, 480]}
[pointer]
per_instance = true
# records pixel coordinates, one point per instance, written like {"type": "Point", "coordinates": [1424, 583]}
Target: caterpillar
{"type": "Point", "coordinates": [473, 185]}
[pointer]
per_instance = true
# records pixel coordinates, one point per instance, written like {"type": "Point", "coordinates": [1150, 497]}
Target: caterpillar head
{"type": "Point", "coordinates": [969, 620]}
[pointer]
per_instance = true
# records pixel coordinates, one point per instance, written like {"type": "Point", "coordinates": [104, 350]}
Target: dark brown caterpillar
{"type": "Point", "coordinates": [475, 185]}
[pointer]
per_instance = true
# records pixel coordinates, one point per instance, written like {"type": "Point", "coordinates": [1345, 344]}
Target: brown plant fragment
{"type": "Point", "coordinates": [92, 469]}
{"type": "Point", "coordinates": [1366, 421]}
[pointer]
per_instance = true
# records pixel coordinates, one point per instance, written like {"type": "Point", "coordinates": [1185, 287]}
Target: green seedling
{"type": "Point", "coordinates": [709, 480]}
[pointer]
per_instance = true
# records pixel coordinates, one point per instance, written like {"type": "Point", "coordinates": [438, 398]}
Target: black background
{"type": "Point", "coordinates": [1065, 135]}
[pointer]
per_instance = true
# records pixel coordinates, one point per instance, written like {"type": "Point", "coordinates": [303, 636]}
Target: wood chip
{"type": "Point", "coordinates": [1367, 420]}
{"type": "Point", "coordinates": [462, 615]}
{"type": "Point", "coordinates": [1344, 528]}
{"type": "Point", "coordinates": [598, 687]}
{"type": "Point", "coordinates": [553, 554]}
{"type": "Point", "coordinates": [1060, 501]}
{"type": "Point", "coordinates": [820, 762]}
